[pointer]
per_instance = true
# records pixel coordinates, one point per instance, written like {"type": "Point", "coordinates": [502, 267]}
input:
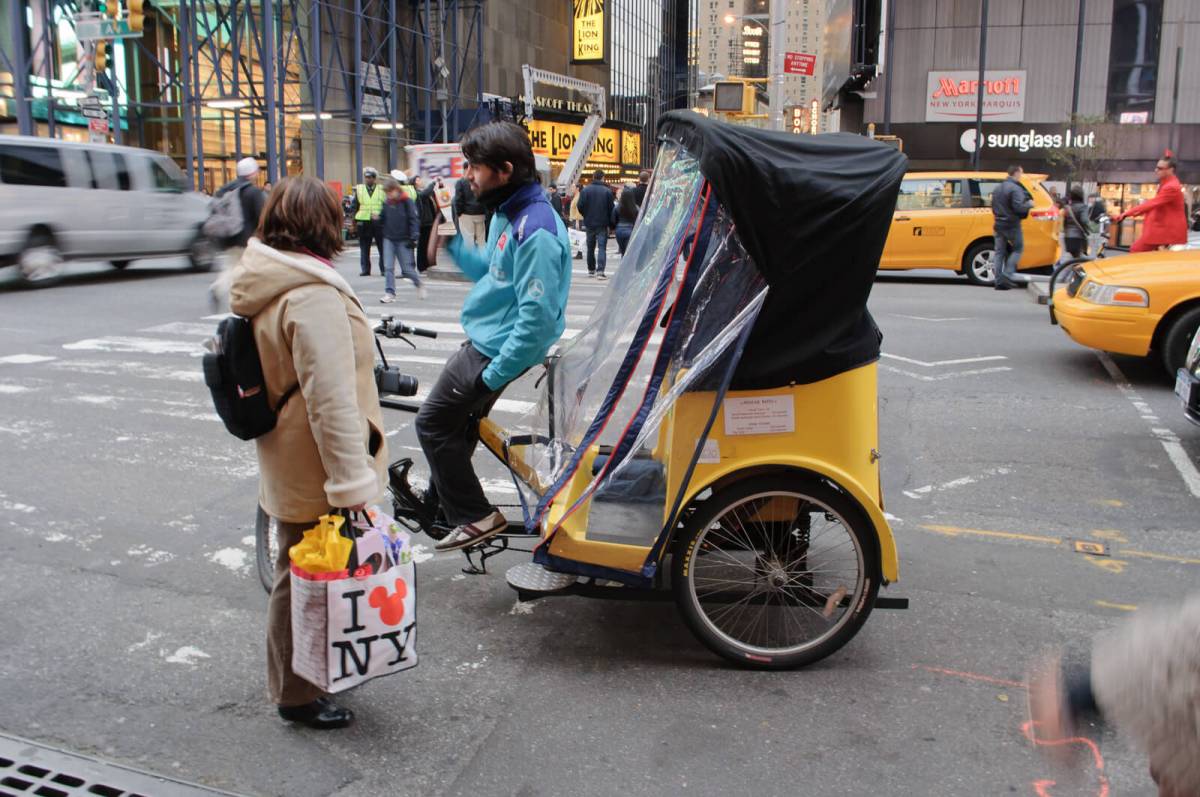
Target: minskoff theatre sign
{"type": "Point", "coordinates": [953, 96]}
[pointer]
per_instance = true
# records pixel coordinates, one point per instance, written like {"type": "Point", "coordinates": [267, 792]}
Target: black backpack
{"type": "Point", "coordinates": [233, 373]}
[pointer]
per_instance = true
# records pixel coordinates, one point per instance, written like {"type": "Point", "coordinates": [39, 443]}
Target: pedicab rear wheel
{"type": "Point", "coordinates": [776, 571]}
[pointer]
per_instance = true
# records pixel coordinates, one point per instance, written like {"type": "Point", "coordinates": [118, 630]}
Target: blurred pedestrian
{"type": "Point", "coordinates": [1074, 222]}
{"type": "Point", "coordinates": [624, 215]}
{"type": "Point", "coordinates": [366, 207]}
{"type": "Point", "coordinates": [401, 222]}
{"type": "Point", "coordinates": [573, 214]}
{"type": "Point", "coordinates": [639, 192]}
{"type": "Point", "coordinates": [1144, 679]}
{"type": "Point", "coordinates": [1011, 203]}
{"type": "Point", "coordinates": [469, 213]}
{"type": "Point", "coordinates": [428, 216]}
{"type": "Point", "coordinates": [596, 207]}
{"type": "Point", "coordinates": [1166, 219]}
{"type": "Point", "coordinates": [251, 198]}
{"type": "Point", "coordinates": [328, 449]}
{"type": "Point", "coordinates": [556, 201]}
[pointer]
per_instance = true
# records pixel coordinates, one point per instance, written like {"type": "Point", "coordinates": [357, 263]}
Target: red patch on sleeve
{"type": "Point", "coordinates": [502, 242]}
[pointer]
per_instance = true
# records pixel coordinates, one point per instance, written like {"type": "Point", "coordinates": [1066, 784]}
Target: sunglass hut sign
{"type": "Point", "coordinates": [953, 96]}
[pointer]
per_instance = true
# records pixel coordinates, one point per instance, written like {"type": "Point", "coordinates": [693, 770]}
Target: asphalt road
{"type": "Point", "coordinates": [133, 623]}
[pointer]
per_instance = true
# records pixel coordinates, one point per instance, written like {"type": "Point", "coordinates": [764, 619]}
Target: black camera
{"type": "Point", "coordinates": [389, 379]}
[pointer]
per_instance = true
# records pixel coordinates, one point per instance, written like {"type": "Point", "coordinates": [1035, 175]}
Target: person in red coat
{"type": "Point", "coordinates": [1166, 220]}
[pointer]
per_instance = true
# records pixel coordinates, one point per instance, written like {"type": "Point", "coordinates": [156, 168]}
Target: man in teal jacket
{"type": "Point", "coordinates": [513, 315]}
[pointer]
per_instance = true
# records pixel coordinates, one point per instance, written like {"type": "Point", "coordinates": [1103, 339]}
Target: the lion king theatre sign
{"type": "Point", "coordinates": [589, 33]}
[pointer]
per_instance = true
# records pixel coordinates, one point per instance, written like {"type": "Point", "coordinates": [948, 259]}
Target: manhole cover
{"type": "Point", "coordinates": [29, 768]}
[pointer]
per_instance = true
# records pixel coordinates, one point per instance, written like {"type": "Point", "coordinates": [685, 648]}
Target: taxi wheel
{"type": "Point", "coordinates": [977, 263]}
{"type": "Point", "coordinates": [1177, 340]}
{"type": "Point", "coordinates": [776, 571]}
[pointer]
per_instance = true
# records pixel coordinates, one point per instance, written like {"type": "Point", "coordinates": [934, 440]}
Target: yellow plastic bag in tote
{"type": "Point", "coordinates": [323, 549]}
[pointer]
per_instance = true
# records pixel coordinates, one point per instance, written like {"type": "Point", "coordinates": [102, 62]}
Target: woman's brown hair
{"type": "Point", "coordinates": [302, 213]}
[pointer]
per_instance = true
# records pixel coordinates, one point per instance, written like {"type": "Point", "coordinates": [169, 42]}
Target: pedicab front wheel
{"type": "Point", "coordinates": [266, 548]}
{"type": "Point", "coordinates": [776, 572]}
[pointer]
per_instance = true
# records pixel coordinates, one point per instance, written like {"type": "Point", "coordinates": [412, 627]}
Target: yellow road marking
{"type": "Point", "coordinates": [1125, 607]}
{"type": "Point", "coordinates": [1183, 560]}
{"type": "Point", "coordinates": [1110, 502]}
{"type": "Point", "coordinates": [954, 531]}
{"type": "Point", "coordinates": [1108, 534]}
{"type": "Point", "coordinates": [1114, 566]}
{"type": "Point", "coordinates": [1111, 565]}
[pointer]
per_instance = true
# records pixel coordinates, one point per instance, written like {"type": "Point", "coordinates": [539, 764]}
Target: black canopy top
{"type": "Point", "coordinates": [813, 213]}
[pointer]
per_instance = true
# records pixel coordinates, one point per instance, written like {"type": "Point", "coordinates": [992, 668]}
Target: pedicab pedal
{"type": "Point", "coordinates": [533, 578]}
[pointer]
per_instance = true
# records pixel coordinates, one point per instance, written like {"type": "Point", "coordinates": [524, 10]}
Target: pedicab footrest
{"type": "Point", "coordinates": [531, 577]}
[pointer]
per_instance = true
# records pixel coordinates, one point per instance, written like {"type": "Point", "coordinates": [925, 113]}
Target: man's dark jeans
{"type": "Point", "coordinates": [1009, 246]}
{"type": "Point", "coordinates": [369, 231]}
{"type": "Point", "coordinates": [448, 431]}
{"type": "Point", "coordinates": [597, 237]}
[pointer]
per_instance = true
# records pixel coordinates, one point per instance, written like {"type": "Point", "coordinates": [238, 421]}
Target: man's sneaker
{"type": "Point", "coordinates": [591, 275]}
{"type": "Point", "coordinates": [388, 298]}
{"type": "Point", "coordinates": [470, 534]}
{"type": "Point", "coordinates": [421, 292]}
{"type": "Point", "coordinates": [601, 276]}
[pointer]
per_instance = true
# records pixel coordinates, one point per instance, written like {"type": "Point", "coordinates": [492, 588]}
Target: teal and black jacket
{"type": "Point", "coordinates": [517, 309]}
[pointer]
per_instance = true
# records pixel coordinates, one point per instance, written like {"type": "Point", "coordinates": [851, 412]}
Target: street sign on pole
{"type": "Point", "coordinates": [89, 112]}
{"type": "Point", "coordinates": [799, 63]}
{"type": "Point", "coordinates": [98, 130]}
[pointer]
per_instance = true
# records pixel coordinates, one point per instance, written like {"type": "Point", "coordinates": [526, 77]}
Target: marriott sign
{"type": "Point", "coordinates": [951, 96]}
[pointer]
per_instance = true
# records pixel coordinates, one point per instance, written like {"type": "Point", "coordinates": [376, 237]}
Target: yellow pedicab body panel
{"type": "Point", "coordinates": [833, 434]}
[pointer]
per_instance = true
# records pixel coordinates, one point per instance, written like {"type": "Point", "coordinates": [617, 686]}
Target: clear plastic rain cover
{"type": "Point", "coordinates": [670, 323]}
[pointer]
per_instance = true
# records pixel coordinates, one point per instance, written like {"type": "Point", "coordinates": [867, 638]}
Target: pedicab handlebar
{"type": "Point", "coordinates": [389, 327]}
{"type": "Point", "coordinates": [388, 378]}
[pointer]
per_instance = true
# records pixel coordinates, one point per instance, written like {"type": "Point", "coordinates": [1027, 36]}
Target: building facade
{"type": "Point", "coordinates": [327, 87]}
{"type": "Point", "coordinates": [732, 38]}
{"type": "Point", "coordinates": [1138, 89]}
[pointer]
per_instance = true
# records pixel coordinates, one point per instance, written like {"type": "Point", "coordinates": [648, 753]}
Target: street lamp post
{"type": "Point", "coordinates": [776, 21]}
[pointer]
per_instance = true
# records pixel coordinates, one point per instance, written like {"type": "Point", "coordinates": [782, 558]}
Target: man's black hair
{"type": "Point", "coordinates": [1170, 161]}
{"type": "Point", "coordinates": [598, 176]}
{"type": "Point", "coordinates": [495, 143]}
{"type": "Point", "coordinates": [1013, 170]}
{"type": "Point", "coordinates": [1076, 193]}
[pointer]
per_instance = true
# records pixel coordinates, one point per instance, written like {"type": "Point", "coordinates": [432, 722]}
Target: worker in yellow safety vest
{"type": "Point", "coordinates": [366, 207]}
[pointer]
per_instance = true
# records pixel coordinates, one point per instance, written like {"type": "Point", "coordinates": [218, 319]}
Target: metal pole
{"type": "Point", "coordinates": [116, 108]}
{"type": "Point", "coordinates": [393, 94]}
{"type": "Point", "coordinates": [428, 78]}
{"type": "Point", "coordinates": [184, 40]}
{"type": "Point", "coordinates": [47, 63]}
{"type": "Point", "coordinates": [315, 82]}
{"type": "Point", "coordinates": [443, 92]}
{"type": "Point", "coordinates": [268, 67]}
{"type": "Point", "coordinates": [281, 96]}
{"type": "Point", "coordinates": [891, 60]}
{"type": "Point", "coordinates": [199, 102]}
{"type": "Point", "coordinates": [235, 52]}
{"type": "Point", "coordinates": [358, 88]}
{"type": "Point", "coordinates": [456, 105]}
{"type": "Point", "coordinates": [775, 94]}
{"type": "Point", "coordinates": [1175, 91]}
{"type": "Point", "coordinates": [983, 20]}
{"type": "Point", "coordinates": [1078, 73]}
{"type": "Point", "coordinates": [21, 68]}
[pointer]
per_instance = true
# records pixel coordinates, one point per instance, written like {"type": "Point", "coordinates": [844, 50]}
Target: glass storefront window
{"type": "Point", "coordinates": [1133, 57]}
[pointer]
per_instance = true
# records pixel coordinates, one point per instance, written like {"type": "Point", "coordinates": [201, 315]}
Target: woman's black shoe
{"type": "Point", "coordinates": [322, 714]}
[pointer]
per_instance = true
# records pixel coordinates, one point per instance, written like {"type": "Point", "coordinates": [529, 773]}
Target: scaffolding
{"type": "Point", "coordinates": [283, 81]}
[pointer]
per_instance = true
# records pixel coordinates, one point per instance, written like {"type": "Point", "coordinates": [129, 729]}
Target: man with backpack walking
{"type": "Point", "coordinates": [233, 218]}
{"type": "Point", "coordinates": [1010, 203]}
{"type": "Point", "coordinates": [366, 206]}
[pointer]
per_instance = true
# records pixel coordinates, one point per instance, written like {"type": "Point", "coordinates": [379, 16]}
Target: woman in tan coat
{"type": "Point", "coordinates": [327, 450]}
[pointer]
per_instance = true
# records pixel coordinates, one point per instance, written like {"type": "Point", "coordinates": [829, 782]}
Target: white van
{"type": "Point", "coordinates": [62, 200]}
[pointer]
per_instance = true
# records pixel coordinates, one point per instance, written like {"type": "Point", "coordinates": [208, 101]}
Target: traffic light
{"type": "Point", "coordinates": [101, 56]}
{"type": "Point", "coordinates": [112, 8]}
{"type": "Point", "coordinates": [137, 16]}
{"type": "Point", "coordinates": [733, 96]}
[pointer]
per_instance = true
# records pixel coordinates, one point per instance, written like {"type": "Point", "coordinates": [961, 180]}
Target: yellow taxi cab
{"type": "Point", "coordinates": [944, 220]}
{"type": "Point", "coordinates": [1140, 304]}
